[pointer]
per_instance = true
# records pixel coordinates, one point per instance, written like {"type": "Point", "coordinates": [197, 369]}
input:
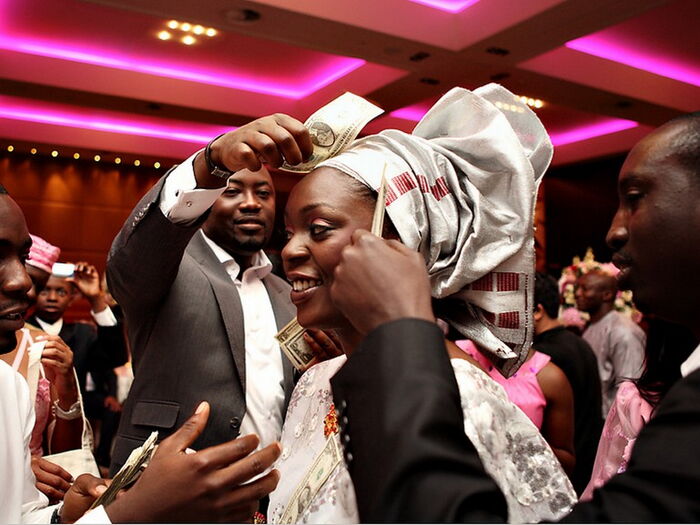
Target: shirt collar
{"type": "Point", "coordinates": [51, 328]}
{"type": "Point", "coordinates": [692, 363]}
{"type": "Point", "coordinates": [261, 265]}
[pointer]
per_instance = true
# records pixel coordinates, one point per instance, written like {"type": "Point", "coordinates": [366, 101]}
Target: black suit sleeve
{"type": "Point", "coordinates": [402, 425]}
{"type": "Point", "coordinates": [403, 431]}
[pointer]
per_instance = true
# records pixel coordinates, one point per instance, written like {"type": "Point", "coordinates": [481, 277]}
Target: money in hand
{"type": "Point", "coordinates": [295, 347]}
{"type": "Point", "coordinates": [130, 471]}
{"type": "Point", "coordinates": [333, 127]}
{"type": "Point", "coordinates": [380, 207]}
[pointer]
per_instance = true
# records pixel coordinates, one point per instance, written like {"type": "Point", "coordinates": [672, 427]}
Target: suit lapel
{"type": "Point", "coordinates": [227, 298]}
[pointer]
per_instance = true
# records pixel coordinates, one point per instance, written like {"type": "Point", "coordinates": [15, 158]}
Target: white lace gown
{"type": "Point", "coordinates": [511, 448]}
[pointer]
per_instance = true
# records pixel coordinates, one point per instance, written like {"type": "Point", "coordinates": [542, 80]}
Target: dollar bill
{"type": "Point", "coordinates": [292, 343]}
{"type": "Point", "coordinates": [380, 207]}
{"type": "Point", "coordinates": [130, 471]}
{"type": "Point", "coordinates": [308, 487]}
{"type": "Point", "coordinates": [333, 127]}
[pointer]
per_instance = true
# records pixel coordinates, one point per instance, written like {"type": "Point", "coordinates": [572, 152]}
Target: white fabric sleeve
{"type": "Point", "coordinates": [180, 201]}
{"type": "Point", "coordinates": [96, 515]}
{"type": "Point", "coordinates": [105, 317]}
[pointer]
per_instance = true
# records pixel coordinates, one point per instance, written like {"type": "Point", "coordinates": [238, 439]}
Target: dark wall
{"type": "Point", "coordinates": [580, 202]}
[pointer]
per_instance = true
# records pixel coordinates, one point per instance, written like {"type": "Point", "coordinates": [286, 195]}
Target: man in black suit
{"type": "Point", "coordinates": [200, 303]}
{"type": "Point", "coordinates": [576, 359]}
{"type": "Point", "coordinates": [95, 349]}
{"type": "Point", "coordinates": [398, 400]}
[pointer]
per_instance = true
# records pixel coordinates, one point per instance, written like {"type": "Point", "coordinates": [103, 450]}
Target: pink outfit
{"type": "Point", "coordinates": [628, 415]}
{"type": "Point", "coordinates": [42, 407]}
{"type": "Point", "coordinates": [522, 388]}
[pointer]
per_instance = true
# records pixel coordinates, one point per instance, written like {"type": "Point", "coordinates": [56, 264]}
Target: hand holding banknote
{"type": "Point", "coordinates": [210, 485]}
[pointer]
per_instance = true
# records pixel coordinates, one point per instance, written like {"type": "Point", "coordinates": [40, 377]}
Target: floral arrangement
{"type": "Point", "coordinates": [569, 314]}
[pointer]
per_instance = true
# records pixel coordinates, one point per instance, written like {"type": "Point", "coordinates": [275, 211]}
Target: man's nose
{"type": "Point", "coordinates": [251, 202]}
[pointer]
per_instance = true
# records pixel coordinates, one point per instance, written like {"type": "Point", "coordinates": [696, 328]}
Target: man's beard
{"type": "Point", "coordinates": [249, 245]}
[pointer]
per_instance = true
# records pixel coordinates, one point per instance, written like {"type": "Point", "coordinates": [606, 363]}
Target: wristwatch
{"type": "Point", "coordinates": [217, 171]}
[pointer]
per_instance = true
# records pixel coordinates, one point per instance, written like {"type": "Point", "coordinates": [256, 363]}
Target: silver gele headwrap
{"type": "Point", "coordinates": [461, 191]}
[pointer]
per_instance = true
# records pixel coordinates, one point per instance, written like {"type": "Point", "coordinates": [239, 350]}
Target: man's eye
{"type": "Point", "coordinates": [264, 194]}
{"type": "Point", "coordinates": [288, 235]}
{"type": "Point", "coordinates": [231, 192]}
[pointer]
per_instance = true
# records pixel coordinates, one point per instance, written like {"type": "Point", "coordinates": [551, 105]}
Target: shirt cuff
{"type": "Point", "coordinates": [180, 202]}
{"type": "Point", "coordinates": [105, 317]}
{"type": "Point", "coordinates": [96, 515]}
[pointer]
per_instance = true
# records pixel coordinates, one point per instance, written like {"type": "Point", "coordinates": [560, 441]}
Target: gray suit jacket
{"type": "Point", "coordinates": [185, 327]}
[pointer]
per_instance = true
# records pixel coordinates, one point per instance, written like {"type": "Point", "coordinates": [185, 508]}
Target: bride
{"type": "Point", "coordinates": [461, 191]}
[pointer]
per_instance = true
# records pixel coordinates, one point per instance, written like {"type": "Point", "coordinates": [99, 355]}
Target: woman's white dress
{"type": "Point", "coordinates": [315, 486]}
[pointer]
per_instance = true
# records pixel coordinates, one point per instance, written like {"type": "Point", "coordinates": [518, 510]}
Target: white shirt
{"type": "Point", "coordinates": [691, 364]}
{"type": "Point", "coordinates": [182, 203]}
{"type": "Point", "coordinates": [20, 500]}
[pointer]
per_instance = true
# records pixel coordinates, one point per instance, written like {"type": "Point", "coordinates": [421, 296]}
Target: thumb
{"type": "Point", "coordinates": [188, 432]}
{"type": "Point", "coordinates": [89, 485]}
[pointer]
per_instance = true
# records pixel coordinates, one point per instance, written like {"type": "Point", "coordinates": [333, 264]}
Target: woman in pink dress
{"type": "Point", "coordinates": [541, 390]}
{"type": "Point", "coordinates": [668, 345]}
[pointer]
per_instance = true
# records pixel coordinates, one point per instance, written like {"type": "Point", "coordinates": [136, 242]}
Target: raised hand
{"type": "Point", "coordinates": [57, 360]}
{"type": "Point", "coordinates": [378, 281]}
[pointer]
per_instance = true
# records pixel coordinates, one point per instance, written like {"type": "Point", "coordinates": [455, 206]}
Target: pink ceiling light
{"type": "Point", "coordinates": [591, 131]}
{"type": "Point", "coordinates": [451, 6]}
{"type": "Point", "coordinates": [337, 69]}
{"type": "Point", "coordinates": [74, 119]}
{"type": "Point", "coordinates": [610, 50]}
{"type": "Point", "coordinates": [409, 113]}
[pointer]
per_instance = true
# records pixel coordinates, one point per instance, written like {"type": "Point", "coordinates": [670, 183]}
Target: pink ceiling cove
{"type": "Point", "coordinates": [450, 6]}
{"type": "Point", "coordinates": [83, 33]}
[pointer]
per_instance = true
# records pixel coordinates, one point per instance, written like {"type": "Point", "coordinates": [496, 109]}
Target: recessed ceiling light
{"type": "Point", "coordinates": [97, 158]}
{"type": "Point", "coordinates": [198, 30]}
{"type": "Point", "coordinates": [117, 160]}
{"type": "Point", "coordinates": [185, 26]}
{"type": "Point", "coordinates": [10, 148]}
{"type": "Point", "coordinates": [173, 24]}
{"type": "Point", "coordinates": [76, 156]}
{"type": "Point", "coordinates": [54, 153]}
{"type": "Point", "coordinates": [137, 162]}
{"type": "Point", "coordinates": [188, 40]}
{"type": "Point", "coordinates": [164, 35]}
{"type": "Point", "coordinates": [156, 165]}
{"type": "Point", "coordinates": [32, 151]}
{"type": "Point", "coordinates": [211, 32]}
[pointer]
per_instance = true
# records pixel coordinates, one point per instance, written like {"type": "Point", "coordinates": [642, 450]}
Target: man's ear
{"type": "Point", "coordinates": [539, 313]}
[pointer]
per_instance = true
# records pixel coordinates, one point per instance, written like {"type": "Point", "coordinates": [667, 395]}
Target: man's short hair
{"type": "Point", "coordinates": [547, 294]}
{"type": "Point", "coordinates": [686, 145]}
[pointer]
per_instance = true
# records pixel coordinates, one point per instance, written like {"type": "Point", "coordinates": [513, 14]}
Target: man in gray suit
{"type": "Point", "coordinates": [201, 305]}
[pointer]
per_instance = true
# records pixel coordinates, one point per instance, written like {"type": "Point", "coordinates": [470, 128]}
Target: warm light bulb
{"type": "Point", "coordinates": [54, 153]}
{"type": "Point", "coordinates": [211, 32]}
{"type": "Point", "coordinates": [32, 151]}
{"type": "Point", "coordinates": [117, 160]}
{"type": "Point", "coordinates": [164, 35]}
{"type": "Point", "coordinates": [188, 40]}
{"type": "Point", "coordinates": [76, 156]}
{"type": "Point", "coordinates": [156, 165]}
{"type": "Point", "coordinates": [10, 148]}
{"type": "Point", "coordinates": [137, 162]}
{"type": "Point", "coordinates": [198, 30]}
{"type": "Point", "coordinates": [539, 104]}
{"type": "Point", "coordinates": [97, 158]}
{"type": "Point", "coordinates": [185, 26]}
{"type": "Point", "coordinates": [173, 24]}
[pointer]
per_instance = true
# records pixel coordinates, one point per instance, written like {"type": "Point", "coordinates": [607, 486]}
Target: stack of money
{"type": "Point", "coordinates": [130, 471]}
{"type": "Point", "coordinates": [333, 127]}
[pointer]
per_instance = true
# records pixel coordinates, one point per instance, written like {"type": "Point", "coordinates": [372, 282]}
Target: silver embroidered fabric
{"type": "Point", "coordinates": [509, 445]}
{"type": "Point", "coordinates": [461, 191]}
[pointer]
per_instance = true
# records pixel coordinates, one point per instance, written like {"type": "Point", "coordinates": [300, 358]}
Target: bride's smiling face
{"type": "Point", "coordinates": [322, 212]}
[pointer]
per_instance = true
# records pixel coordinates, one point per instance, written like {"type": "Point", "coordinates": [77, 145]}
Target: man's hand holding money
{"type": "Point", "coordinates": [204, 487]}
{"type": "Point", "coordinates": [271, 140]}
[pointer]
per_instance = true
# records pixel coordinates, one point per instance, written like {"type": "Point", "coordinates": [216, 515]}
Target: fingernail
{"type": "Point", "coordinates": [100, 489]}
{"type": "Point", "coordinates": [201, 407]}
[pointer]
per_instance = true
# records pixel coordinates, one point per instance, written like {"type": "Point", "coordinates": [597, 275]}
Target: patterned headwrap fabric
{"type": "Point", "coordinates": [461, 191]}
{"type": "Point", "coordinates": [42, 254]}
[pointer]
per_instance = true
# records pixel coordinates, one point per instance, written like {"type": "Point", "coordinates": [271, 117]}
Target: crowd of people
{"type": "Point", "coordinates": [445, 387]}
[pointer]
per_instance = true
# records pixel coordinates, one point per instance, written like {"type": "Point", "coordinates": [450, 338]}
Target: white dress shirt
{"type": "Point", "coordinates": [691, 364]}
{"type": "Point", "coordinates": [20, 500]}
{"type": "Point", "coordinates": [182, 203]}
